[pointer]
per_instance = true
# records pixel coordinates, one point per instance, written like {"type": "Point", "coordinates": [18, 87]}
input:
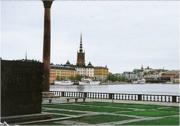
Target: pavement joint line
{"type": "Point", "coordinates": [117, 112]}
{"type": "Point", "coordinates": [99, 106]}
{"type": "Point", "coordinates": [148, 118]}
{"type": "Point", "coordinates": [107, 113]}
{"type": "Point", "coordinates": [18, 116]}
{"type": "Point", "coordinates": [136, 120]}
{"type": "Point", "coordinates": [73, 115]}
{"type": "Point", "coordinates": [62, 110]}
{"type": "Point", "coordinates": [100, 113]}
{"type": "Point", "coordinates": [164, 107]}
{"type": "Point", "coordinates": [47, 120]}
{"type": "Point", "coordinates": [90, 112]}
{"type": "Point", "coordinates": [126, 121]}
{"type": "Point", "coordinates": [53, 119]}
{"type": "Point", "coordinates": [61, 114]}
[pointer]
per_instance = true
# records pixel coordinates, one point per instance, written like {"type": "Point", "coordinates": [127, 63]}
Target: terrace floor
{"type": "Point", "coordinates": [104, 113]}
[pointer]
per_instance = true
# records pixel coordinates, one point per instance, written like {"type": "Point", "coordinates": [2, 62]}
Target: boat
{"type": "Point", "coordinates": [169, 82]}
{"type": "Point", "coordinates": [140, 81]}
{"type": "Point", "coordinates": [88, 82]}
{"type": "Point", "coordinates": [63, 82]}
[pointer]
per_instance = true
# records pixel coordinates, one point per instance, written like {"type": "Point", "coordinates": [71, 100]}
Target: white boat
{"type": "Point", "coordinates": [65, 82]}
{"type": "Point", "coordinates": [88, 82]}
{"type": "Point", "coordinates": [141, 81]}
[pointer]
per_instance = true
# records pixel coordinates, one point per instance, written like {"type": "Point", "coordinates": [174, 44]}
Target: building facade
{"type": "Point", "coordinates": [61, 72]}
{"type": "Point", "coordinates": [86, 71]}
{"type": "Point", "coordinates": [130, 75]}
{"type": "Point", "coordinates": [69, 70]}
{"type": "Point", "coordinates": [172, 76]}
{"type": "Point", "coordinates": [101, 73]}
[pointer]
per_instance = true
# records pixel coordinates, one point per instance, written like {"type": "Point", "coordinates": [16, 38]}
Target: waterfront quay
{"type": "Point", "coordinates": [107, 108]}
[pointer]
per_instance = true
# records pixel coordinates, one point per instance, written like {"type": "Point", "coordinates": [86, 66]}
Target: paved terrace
{"type": "Point", "coordinates": [108, 113]}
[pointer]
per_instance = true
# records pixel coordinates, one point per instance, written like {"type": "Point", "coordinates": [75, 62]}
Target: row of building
{"type": "Point", "coordinates": [153, 75]}
{"type": "Point", "coordinates": [67, 71]}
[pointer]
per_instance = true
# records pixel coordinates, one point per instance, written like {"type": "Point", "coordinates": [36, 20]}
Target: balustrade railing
{"type": "Point", "coordinates": [120, 96]}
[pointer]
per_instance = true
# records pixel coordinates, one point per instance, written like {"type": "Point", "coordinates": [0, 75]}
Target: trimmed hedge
{"type": "Point", "coordinates": [21, 87]}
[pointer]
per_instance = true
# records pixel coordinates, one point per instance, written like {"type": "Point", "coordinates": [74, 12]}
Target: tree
{"type": "Point", "coordinates": [72, 78]}
{"type": "Point", "coordinates": [78, 77]}
{"type": "Point", "coordinates": [58, 78]}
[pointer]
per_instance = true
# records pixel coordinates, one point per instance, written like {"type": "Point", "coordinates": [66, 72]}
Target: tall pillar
{"type": "Point", "coordinates": [47, 42]}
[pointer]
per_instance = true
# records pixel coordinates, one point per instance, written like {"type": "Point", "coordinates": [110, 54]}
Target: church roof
{"type": "Point", "coordinates": [67, 63]}
{"type": "Point", "coordinates": [90, 65]}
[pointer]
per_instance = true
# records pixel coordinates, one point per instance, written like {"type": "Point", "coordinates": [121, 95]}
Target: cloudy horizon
{"type": "Point", "coordinates": [120, 34]}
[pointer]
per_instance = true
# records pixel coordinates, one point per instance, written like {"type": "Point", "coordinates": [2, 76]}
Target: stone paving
{"type": "Point", "coordinates": [72, 119]}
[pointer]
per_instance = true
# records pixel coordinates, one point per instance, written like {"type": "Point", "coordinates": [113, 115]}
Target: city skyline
{"type": "Point", "coordinates": [111, 39]}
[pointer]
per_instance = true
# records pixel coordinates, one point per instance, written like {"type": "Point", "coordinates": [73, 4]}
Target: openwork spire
{"type": "Point", "coordinates": [26, 56]}
{"type": "Point", "coordinates": [81, 48]}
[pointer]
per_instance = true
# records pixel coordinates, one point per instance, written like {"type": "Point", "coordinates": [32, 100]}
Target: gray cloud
{"type": "Point", "coordinates": [122, 35]}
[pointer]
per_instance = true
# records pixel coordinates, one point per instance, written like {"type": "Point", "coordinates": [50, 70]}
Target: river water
{"type": "Point", "coordinates": [160, 89]}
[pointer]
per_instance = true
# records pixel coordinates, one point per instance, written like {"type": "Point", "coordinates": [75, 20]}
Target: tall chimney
{"type": "Point", "coordinates": [47, 43]}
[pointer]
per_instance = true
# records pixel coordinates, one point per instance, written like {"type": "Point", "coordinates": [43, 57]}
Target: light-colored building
{"type": "Point", "coordinates": [86, 71]}
{"type": "Point", "coordinates": [81, 71]}
{"type": "Point", "coordinates": [61, 72]}
{"type": "Point", "coordinates": [90, 70]}
{"type": "Point", "coordinates": [68, 70]}
{"type": "Point", "coordinates": [130, 75]}
{"type": "Point", "coordinates": [101, 73]}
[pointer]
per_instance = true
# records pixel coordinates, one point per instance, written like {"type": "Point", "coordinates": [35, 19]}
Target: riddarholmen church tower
{"type": "Point", "coordinates": [69, 70]}
{"type": "Point", "coordinates": [80, 55]}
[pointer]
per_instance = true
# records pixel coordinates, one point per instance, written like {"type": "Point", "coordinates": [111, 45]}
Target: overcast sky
{"type": "Point", "coordinates": [120, 34]}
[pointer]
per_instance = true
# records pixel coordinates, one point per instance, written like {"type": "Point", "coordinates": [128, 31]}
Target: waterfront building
{"type": "Point", "coordinates": [68, 70]}
{"type": "Point", "coordinates": [86, 71]}
{"type": "Point", "coordinates": [130, 75]}
{"type": "Point", "coordinates": [62, 72]}
{"type": "Point", "coordinates": [89, 71]}
{"type": "Point", "coordinates": [81, 68]}
{"type": "Point", "coordinates": [170, 75]}
{"type": "Point", "coordinates": [101, 73]}
{"type": "Point", "coordinates": [81, 71]}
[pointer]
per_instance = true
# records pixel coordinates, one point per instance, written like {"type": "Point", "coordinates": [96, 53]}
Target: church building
{"type": "Point", "coordinates": [68, 70]}
{"type": "Point", "coordinates": [81, 68]}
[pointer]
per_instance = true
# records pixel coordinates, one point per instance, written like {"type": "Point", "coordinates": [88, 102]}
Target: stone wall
{"type": "Point", "coordinates": [21, 87]}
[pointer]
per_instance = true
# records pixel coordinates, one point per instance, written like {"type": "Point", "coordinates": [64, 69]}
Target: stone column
{"type": "Point", "coordinates": [47, 42]}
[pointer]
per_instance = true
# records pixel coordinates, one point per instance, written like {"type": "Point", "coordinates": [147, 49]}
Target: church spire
{"type": "Point", "coordinates": [26, 56]}
{"type": "Point", "coordinates": [81, 48]}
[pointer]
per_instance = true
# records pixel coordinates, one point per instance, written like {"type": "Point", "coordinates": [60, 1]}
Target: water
{"type": "Point", "coordinates": [160, 89]}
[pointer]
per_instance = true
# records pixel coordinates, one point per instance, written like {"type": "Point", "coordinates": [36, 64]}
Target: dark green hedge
{"type": "Point", "coordinates": [21, 87]}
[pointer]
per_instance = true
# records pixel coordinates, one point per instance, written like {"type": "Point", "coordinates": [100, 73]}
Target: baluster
{"type": "Point", "coordinates": [166, 98]}
{"type": "Point", "coordinates": [131, 97]}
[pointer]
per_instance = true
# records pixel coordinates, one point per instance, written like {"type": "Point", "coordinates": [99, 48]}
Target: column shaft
{"type": "Point", "coordinates": [47, 43]}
